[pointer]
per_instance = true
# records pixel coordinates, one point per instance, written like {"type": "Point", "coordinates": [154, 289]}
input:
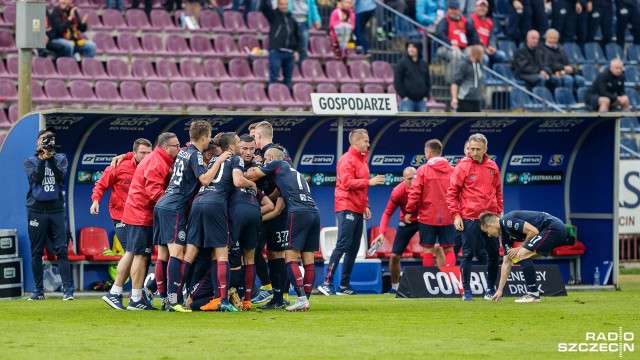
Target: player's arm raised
{"type": "Point", "coordinates": [207, 177]}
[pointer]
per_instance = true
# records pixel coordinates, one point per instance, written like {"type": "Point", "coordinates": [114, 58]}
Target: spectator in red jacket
{"type": "Point", "coordinates": [427, 199]}
{"type": "Point", "coordinates": [475, 187]}
{"type": "Point", "coordinates": [406, 228]}
{"type": "Point", "coordinates": [351, 207]}
{"type": "Point", "coordinates": [149, 182]}
{"type": "Point", "coordinates": [486, 33]}
{"type": "Point", "coordinates": [118, 179]}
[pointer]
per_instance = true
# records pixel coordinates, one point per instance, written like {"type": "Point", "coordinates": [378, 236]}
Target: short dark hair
{"type": "Point", "coordinates": [226, 140]}
{"type": "Point", "coordinates": [163, 139]}
{"type": "Point", "coordinates": [141, 141]}
{"type": "Point", "coordinates": [434, 146]}
{"type": "Point", "coordinates": [247, 138]}
{"type": "Point", "coordinates": [198, 129]}
{"type": "Point", "coordinates": [487, 217]}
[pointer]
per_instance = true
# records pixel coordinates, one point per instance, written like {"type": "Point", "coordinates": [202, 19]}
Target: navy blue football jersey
{"type": "Point", "coordinates": [292, 185]}
{"type": "Point", "coordinates": [267, 184]}
{"type": "Point", "coordinates": [246, 196]}
{"type": "Point", "coordinates": [221, 186]}
{"type": "Point", "coordinates": [187, 168]}
{"type": "Point", "coordinates": [512, 224]}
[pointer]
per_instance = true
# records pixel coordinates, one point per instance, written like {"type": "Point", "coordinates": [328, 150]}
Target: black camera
{"type": "Point", "coordinates": [48, 143]}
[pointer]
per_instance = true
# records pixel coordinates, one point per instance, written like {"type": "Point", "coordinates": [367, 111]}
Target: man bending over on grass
{"type": "Point", "coordinates": [540, 233]}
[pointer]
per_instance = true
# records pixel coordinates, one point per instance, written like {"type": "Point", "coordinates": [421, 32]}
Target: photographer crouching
{"type": "Point", "coordinates": [46, 172]}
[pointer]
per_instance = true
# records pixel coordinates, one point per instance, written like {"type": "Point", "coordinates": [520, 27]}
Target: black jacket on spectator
{"type": "Point", "coordinates": [60, 24]}
{"type": "Point", "coordinates": [442, 32]}
{"type": "Point", "coordinates": [411, 78]}
{"type": "Point", "coordinates": [554, 59]}
{"type": "Point", "coordinates": [606, 84]}
{"type": "Point", "coordinates": [527, 63]}
{"type": "Point", "coordinates": [283, 32]}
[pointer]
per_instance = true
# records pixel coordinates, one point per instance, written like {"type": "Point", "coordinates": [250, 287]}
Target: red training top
{"type": "Point", "coordinates": [117, 179]}
{"type": "Point", "coordinates": [399, 198]}
{"type": "Point", "coordinates": [475, 188]}
{"type": "Point", "coordinates": [428, 192]}
{"type": "Point", "coordinates": [352, 183]}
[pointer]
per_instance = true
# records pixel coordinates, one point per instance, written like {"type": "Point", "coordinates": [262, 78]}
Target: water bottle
{"type": "Point", "coordinates": [374, 247]}
{"type": "Point", "coordinates": [596, 277]}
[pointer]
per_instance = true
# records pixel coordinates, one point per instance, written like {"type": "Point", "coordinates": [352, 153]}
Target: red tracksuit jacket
{"type": "Point", "coordinates": [475, 188]}
{"type": "Point", "coordinates": [149, 182]}
{"type": "Point", "coordinates": [399, 197]}
{"type": "Point", "coordinates": [117, 179]}
{"type": "Point", "coordinates": [352, 183]}
{"type": "Point", "coordinates": [428, 192]}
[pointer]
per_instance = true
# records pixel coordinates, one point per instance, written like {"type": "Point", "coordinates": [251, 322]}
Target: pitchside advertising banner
{"type": "Point", "coordinates": [629, 212]}
{"type": "Point", "coordinates": [446, 282]}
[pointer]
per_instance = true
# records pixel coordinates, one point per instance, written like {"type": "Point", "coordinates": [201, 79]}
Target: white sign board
{"type": "Point", "coordinates": [629, 211]}
{"type": "Point", "coordinates": [354, 104]}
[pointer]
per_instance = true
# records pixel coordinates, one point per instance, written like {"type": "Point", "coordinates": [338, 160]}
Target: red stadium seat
{"type": "Point", "coordinates": [71, 254]}
{"type": "Point", "coordinates": [576, 249]}
{"type": "Point", "coordinates": [93, 242]}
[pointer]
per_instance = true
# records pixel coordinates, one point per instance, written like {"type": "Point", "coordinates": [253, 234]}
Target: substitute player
{"type": "Point", "coordinates": [539, 233]}
{"type": "Point", "coordinates": [303, 221]}
{"type": "Point", "coordinates": [118, 179]}
{"type": "Point", "coordinates": [427, 198]}
{"type": "Point", "coordinates": [170, 213]}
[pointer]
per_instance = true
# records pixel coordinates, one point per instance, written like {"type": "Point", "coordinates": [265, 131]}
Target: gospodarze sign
{"type": "Point", "coordinates": [354, 104]}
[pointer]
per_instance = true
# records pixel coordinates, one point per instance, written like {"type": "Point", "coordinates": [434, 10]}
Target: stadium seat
{"type": "Point", "coordinates": [131, 91]}
{"type": "Point", "coordinates": [311, 69]}
{"type": "Point", "coordinates": [593, 53]}
{"type": "Point", "coordinates": [153, 44]}
{"type": "Point", "coordinates": [505, 70]}
{"type": "Point", "coordinates": [302, 93]}
{"type": "Point", "coordinates": [69, 69]}
{"type": "Point", "coordinates": [261, 69]}
{"type": "Point", "coordinates": [247, 42]}
{"type": "Point", "coordinates": [93, 69]}
{"type": "Point", "coordinates": [350, 89]}
{"type": "Point", "coordinates": [629, 124]}
{"type": "Point", "coordinates": [5, 124]}
{"type": "Point", "coordinates": [574, 54]}
{"type": "Point", "coordinates": [384, 251]}
{"type": "Point", "coordinates": [582, 94]}
{"type": "Point", "coordinates": [214, 70]}
{"type": "Point", "coordinates": [56, 91]}
{"type": "Point", "coordinates": [142, 69]}
{"type": "Point", "coordinates": [37, 94]}
{"type": "Point", "coordinates": [614, 51]}
{"type": "Point", "coordinates": [9, 14]}
{"type": "Point", "coordinates": [361, 70]}
{"type": "Point", "coordinates": [590, 73]}
{"type": "Point", "coordinates": [633, 53]}
{"type": "Point", "coordinates": [231, 94]}
{"type": "Point", "coordinates": [112, 19]}
{"type": "Point", "coordinates": [107, 91]}
{"type": "Point", "coordinates": [83, 91]}
{"type": "Point", "coordinates": [201, 45]}
{"type": "Point", "coordinates": [373, 89]}
{"type": "Point", "coordinates": [207, 94]}
{"type": "Point", "coordinates": [225, 45]}
{"type": "Point", "coordinates": [544, 93]}
{"type": "Point", "coordinates": [43, 68]}
{"type": "Point", "coordinates": [12, 66]}
{"type": "Point", "coordinates": [137, 19]}
{"type": "Point", "coordinates": [181, 92]}
{"type": "Point", "coordinates": [167, 70]}
{"type": "Point", "coordinates": [191, 70]}
{"type": "Point", "coordinates": [257, 22]}
{"type": "Point", "coordinates": [629, 148]}
{"type": "Point", "coordinates": [326, 88]}
{"type": "Point", "coordinates": [254, 93]}
{"type": "Point", "coordinates": [13, 113]}
{"type": "Point", "coordinates": [8, 90]}
{"type": "Point", "coordinates": [92, 242]}
{"type": "Point", "coordinates": [519, 99]}
{"type": "Point", "coordinates": [509, 47]}
{"type": "Point", "coordinates": [634, 98]}
{"type": "Point", "coordinates": [4, 73]}
{"type": "Point", "coordinates": [161, 20]}
{"type": "Point", "coordinates": [177, 46]}
{"type": "Point", "coordinates": [93, 20]}
{"type": "Point", "coordinates": [576, 249]}
{"type": "Point", "coordinates": [320, 48]}
{"type": "Point", "coordinates": [118, 70]}
{"type": "Point", "coordinates": [129, 44]}
{"type": "Point", "coordinates": [239, 70]}
{"type": "Point", "coordinates": [281, 95]}
{"type": "Point", "coordinates": [106, 45]}
{"type": "Point", "coordinates": [337, 71]}
{"type": "Point", "coordinates": [71, 254]}
{"type": "Point", "coordinates": [210, 22]}
{"type": "Point", "coordinates": [158, 93]}
{"type": "Point", "coordinates": [631, 76]}
{"type": "Point", "coordinates": [382, 70]}
{"type": "Point", "coordinates": [564, 97]}
{"type": "Point", "coordinates": [7, 42]}
{"type": "Point", "coordinates": [233, 21]}
{"type": "Point", "coordinates": [329, 238]}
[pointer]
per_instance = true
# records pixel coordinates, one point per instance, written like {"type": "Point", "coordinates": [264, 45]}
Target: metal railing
{"type": "Point", "coordinates": [390, 45]}
{"type": "Point", "coordinates": [629, 247]}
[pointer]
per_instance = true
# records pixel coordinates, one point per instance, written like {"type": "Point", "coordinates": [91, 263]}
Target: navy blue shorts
{"type": "Point", "coordinates": [548, 239]}
{"type": "Point", "coordinates": [139, 239]}
{"type": "Point", "coordinates": [276, 233]}
{"type": "Point", "coordinates": [121, 232]}
{"type": "Point", "coordinates": [445, 235]}
{"type": "Point", "coordinates": [235, 255]}
{"type": "Point", "coordinates": [403, 235]}
{"type": "Point", "coordinates": [304, 231]}
{"type": "Point", "coordinates": [169, 227]}
{"type": "Point", "coordinates": [208, 226]}
{"type": "Point", "coordinates": [244, 224]}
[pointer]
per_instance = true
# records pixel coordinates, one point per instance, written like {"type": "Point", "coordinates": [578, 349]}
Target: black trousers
{"type": "Point", "coordinates": [48, 229]}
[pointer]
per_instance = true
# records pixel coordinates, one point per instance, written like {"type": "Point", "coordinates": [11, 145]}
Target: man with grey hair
{"type": "Point", "coordinates": [147, 186]}
{"type": "Point", "coordinates": [556, 64]}
{"type": "Point", "coordinates": [466, 95]}
{"type": "Point", "coordinates": [607, 91]}
{"type": "Point", "coordinates": [475, 187]}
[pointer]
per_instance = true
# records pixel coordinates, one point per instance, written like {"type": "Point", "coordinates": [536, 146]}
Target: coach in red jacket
{"type": "Point", "coordinates": [475, 187]}
{"type": "Point", "coordinates": [148, 184]}
{"type": "Point", "coordinates": [118, 179]}
{"type": "Point", "coordinates": [351, 207]}
{"type": "Point", "coordinates": [427, 199]}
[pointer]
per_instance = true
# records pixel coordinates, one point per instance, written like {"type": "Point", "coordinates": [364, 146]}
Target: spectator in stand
{"type": "Point", "coordinates": [67, 29]}
{"type": "Point", "coordinates": [306, 14]}
{"type": "Point", "coordinates": [582, 22]}
{"type": "Point", "coordinates": [169, 5]}
{"type": "Point", "coordinates": [194, 7]}
{"type": "Point", "coordinates": [430, 12]}
{"type": "Point", "coordinates": [284, 41]}
{"type": "Point", "coordinates": [528, 62]}
{"type": "Point", "coordinates": [556, 63]}
{"type": "Point", "coordinates": [466, 94]}
{"type": "Point", "coordinates": [386, 24]}
{"type": "Point", "coordinates": [467, 7]}
{"type": "Point", "coordinates": [524, 15]}
{"type": "Point", "coordinates": [455, 30]}
{"type": "Point", "coordinates": [627, 12]}
{"type": "Point", "coordinates": [486, 33]}
{"type": "Point", "coordinates": [249, 5]}
{"type": "Point", "coordinates": [364, 11]}
{"type": "Point", "coordinates": [114, 4]}
{"type": "Point", "coordinates": [564, 18]}
{"type": "Point", "coordinates": [607, 91]}
{"type": "Point", "coordinates": [602, 17]}
{"type": "Point", "coordinates": [412, 81]}
{"type": "Point", "coordinates": [148, 5]}
{"type": "Point", "coordinates": [342, 19]}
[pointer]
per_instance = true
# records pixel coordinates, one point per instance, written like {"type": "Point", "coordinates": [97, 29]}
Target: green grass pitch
{"type": "Point", "coordinates": [356, 327]}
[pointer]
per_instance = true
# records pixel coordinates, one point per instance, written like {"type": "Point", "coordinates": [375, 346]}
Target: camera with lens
{"type": "Point", "coordinates": [48, 143]}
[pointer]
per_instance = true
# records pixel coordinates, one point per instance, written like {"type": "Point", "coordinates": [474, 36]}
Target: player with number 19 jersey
{"type": "Point", "coordinates": [170, 214]}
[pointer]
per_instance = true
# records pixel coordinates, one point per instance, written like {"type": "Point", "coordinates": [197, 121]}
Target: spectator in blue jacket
{"type": "Point", "coordinates": [364, 10]}
{"type": "Point", "coordinates": [306, 14]}
{"type": "Point", "coordinates": [429, 12]}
